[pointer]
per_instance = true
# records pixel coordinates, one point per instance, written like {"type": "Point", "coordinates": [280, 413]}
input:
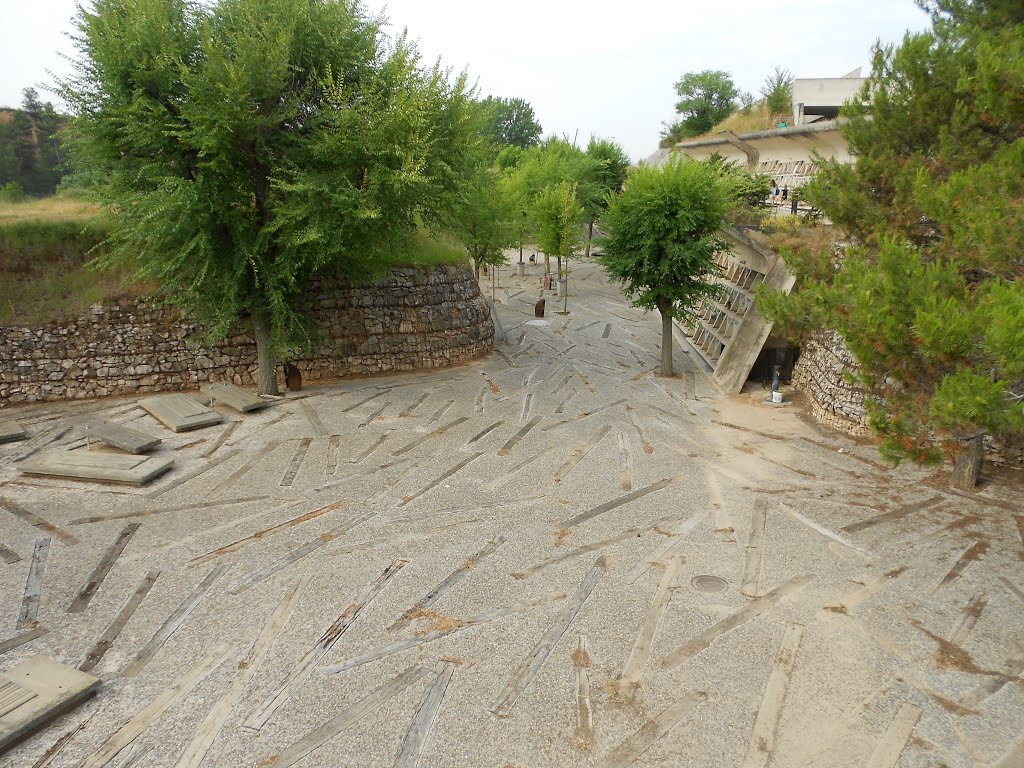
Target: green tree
{"type": "Point", "coordinates": [607, 175]}
{"type": "Point", "coordinates": [558, 216]}
{"type": "Point", "coordinates": [29, 146]}
{"type": "Point", "coordinates": [248, 146]}
{"type": "Point", "coordinates": [778, 91]}
{"type": "Point", "coordinates": [672, 134]}
{"type": "Point", "coordinates": [663, 238]}
{"type": "Point", "coordinates": [705, 99]}
{"type": "Point", "coordinates": [931, 300]}
{"type": "Point", "coordinates": [511, 122]}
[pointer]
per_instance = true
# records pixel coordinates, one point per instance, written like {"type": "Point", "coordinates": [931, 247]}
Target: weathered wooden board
{"type": "Point", "coordinates": [92, 658]}
{"type": "Point", "coordinates": [54, 688]}
{"type": "Point", "coordinates": [96, 467]}
{"type": "Point", "coordinates": [33, 585]}
{"type": "Point", "coordinates": [179, 413]}
{"type": "Point", "coordinates": [92, 584]}
{"type": "Point", "coordinates": [125, 438]}
{"type": "Point", "coordinates": [234, 397]}
{"type": "Point", "coordinates": [11, 431]}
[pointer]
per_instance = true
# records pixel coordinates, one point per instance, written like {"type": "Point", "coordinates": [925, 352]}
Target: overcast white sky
{"type": "Point", "coordinates": [586, 67]}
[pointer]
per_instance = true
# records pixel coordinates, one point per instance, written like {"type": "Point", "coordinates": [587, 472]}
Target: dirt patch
{"type": "Point", "coordinates": [580, 659]}
{"type": "Point", "coordinates": [561, 535]}
{"type": "Point", "coordinates": [433, 621]}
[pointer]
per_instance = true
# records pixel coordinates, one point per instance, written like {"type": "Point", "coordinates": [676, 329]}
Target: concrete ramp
{"type": "Point", "coordinates": [35, 692]}
{"type": "Point", "coordinates": [180, 413]}
{"type": "Point", "coordinates": [96, 467]}
{"type": "Point", "coordinates": [125, 438]}
{"type": "Point", "coordinates": [11, 431]}
{"type": "Point", "coordinates": [234, 397]}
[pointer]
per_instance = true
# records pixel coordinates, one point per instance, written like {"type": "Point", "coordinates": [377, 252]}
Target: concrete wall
{"type": "Point", "coordinates": [409, 320]}
{"type": "Point", "coordinates": [822, 95]}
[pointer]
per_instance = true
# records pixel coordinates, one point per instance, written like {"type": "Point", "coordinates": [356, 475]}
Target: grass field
{"type": "Point", "coordinates": [45, 247]}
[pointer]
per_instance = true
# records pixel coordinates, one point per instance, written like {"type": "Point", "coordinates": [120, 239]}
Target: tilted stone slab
{"type": "Point", "coordinates": [125, 438]}
{"type": "Point", "coordinates": [234, 397]}
{"type": "Point", "coordinates": [11, 431]}
{"type": "Point", "coordinates": [180, 413]}
{"type": "Point", "coordinates": [97, 467]}
{"type": "Point", "coordinates": [36, 691]}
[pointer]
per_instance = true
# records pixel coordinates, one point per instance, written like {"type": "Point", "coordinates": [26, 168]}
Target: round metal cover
{"type": "Point", "coordinates": [706, 583]}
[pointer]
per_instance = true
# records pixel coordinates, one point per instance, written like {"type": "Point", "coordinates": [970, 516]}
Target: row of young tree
{"type": "Point", "coordinates": [707, 98]}
{"type": "Point", "coordinates": [246, 148]}
{"type": "Point", "coordinates": [30, 153]}
{"type": "Point", "coordinates": [931, 298]}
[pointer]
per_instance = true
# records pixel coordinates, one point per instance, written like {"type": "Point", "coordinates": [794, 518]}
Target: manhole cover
{"type": "Point", "coordinates": [709, 583]}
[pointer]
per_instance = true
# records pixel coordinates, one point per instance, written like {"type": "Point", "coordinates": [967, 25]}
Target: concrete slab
{"type": "Point", "coordinates": [36, 691]}
{"type": "Point", "coordinates": [97, 467]}
{"type": "Point", "coordinates": [10, 431]}
{"type": "Point", "coordinates": [180, 413]}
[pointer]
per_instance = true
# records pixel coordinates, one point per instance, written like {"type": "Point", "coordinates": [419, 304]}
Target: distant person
{"type": "Point", "coordinates": [775, 191]}
{"type": "Point", "coordinates": [785, 193]}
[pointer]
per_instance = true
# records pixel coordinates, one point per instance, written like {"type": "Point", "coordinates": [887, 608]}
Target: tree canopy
{"type": "Point", "coordinates": [248, 146]}
{"type": "Point", "coordinates": [29, 146]}
{"type": "Point", "coordinates": [510, 122]}
{"type": "Point", "coordinates": [663, 238]}
{"type": "Point", "coordinates": [931, 300]}
{"type": "Point", "coordinates": [705, 99]}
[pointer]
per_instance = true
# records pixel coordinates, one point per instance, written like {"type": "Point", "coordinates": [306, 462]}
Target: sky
{"type": "Point", "coordinates": [599, 67]}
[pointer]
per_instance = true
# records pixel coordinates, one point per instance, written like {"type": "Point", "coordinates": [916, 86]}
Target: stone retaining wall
{"type": "Point", "coordinates": [824, 374]}
{"type": "Point", "coordinates": [411, 319]}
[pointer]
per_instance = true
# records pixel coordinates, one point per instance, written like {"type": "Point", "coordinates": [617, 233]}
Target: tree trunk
{"type": "Point", "coordinates": [666, 338]}
{"type": "Point", "coordinates": [266, 371]}
{"type": "Point", "coordinates": [967, 467]}
{"type": "Point", "coordinates": [590, 237]}
{"type": "Point", "coordinates": [547, 264]}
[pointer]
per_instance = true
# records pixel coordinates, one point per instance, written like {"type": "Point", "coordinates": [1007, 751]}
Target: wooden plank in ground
{"type": "Point", "coordinates": [233, 397]}
{"type": "Point", "coordinates": [234, 546]}
{"type": "Point", "coordinates": [616, 503]}
{"type": "Point", "coordinates": [207, 732]}
{"type": "Point", "coordinates": [629, 751]}
{"type": "Point", "coordinates": [192, 474]}
{"type": "Point", "coordinates": [243, 470]}
{"type": "Point", "coordinates": [750, 611]}
{"type": "Point", "coordinates": [347, 717]}
{"type": "Point", "coordinates": [34, 520]}
{"type": "Point", "coordinates": [454, 627]}
{"type": "Point", "coordinates": [18, 640]}
{"type": "Point", "coordinates": [524, 675]}
{"type": "Point", "coordinates": [81, 602]}
{"type": "Point", "coordinates": [125, 438]}
{"type": "Point", "coordinates": [180, 413]}
{"type": "Point", "coordinates": [762, 740]}
{"type": "Point", "coordinates": [96, 467]}
{"type": "Point", "coordinates": [304, 668]}
{"type": "Point", "coordinates": [9, 556]}
{"type": "Point", "coordinates": [755, 546]}
{"type": "Point", "coordinates": [56, 689]}
{"type": "Point", "coordinates": [127, 733]}
{"type": "Point", "coordinates": [584, 735]}
{"type": "Point", "coordinates": [33, 584]}
{"type": "Point", "coordinates": [895, 739]}
{"type": "Point", "coordinates": [423, 722]}
{"type": "Point", "coordinates": [58, 746]}
{"type": "Point", "coordinates": [634, 669]}
{"type": "Point", "coordinates": [92, 658]}
{"type": "Point", "coordinates": [173, 622]}
{"type": "Point", "coordinates": [11, 431]}
{"type": "Point", "coordinates": [453, 578]}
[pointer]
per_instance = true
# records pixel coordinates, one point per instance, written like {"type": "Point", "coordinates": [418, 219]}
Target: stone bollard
{"type": "Point", "coordinates": [521, 270]}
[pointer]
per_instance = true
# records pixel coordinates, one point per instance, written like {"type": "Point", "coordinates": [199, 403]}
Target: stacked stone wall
{"type": "Point", "coordinates": [825, 373]}
{"type": "Point", "coordinates": [411, 319]}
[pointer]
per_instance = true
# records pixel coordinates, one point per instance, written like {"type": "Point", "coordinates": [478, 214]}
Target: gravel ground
{"type": "Point", "coordinates": [538, 528]}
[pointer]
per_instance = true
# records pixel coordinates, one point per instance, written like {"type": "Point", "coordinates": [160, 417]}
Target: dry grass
{"type": "Point", "coordinates": [757, 119]}
{"type": "Point", "coordinates": [48, 209]}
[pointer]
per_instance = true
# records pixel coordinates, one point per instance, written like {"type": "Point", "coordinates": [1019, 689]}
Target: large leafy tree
{"type": "Point", "coordinates": [558, 216]}
{"type": "Point", "coordinates": [931, 301]}
{"type": "Point", "coordinates": [511, 122]}
{"type": "Point", "coordinates": [608, 174]}
{"type": "Point", "coordinates": [705, 99]}
{"type": "Point", "coordinates": [247, 146]}
{"type": "Point", "coordinates": [663, 238]}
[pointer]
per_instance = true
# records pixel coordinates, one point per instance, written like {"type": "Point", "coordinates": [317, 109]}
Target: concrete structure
{"type": "Point", "coordinates": [819, 98]}
{"type": "Point", "coordinates": [784, 154]}
{"type": "Point", "coordinates": [729, 333]}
